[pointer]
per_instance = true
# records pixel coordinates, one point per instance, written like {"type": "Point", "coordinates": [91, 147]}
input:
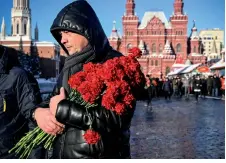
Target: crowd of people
{"type": "Point", "coordinates": [178, 86]}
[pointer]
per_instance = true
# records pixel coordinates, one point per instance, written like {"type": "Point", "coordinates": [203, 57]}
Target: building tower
{"type": "Point", "coordinates": [130, 27]}
{"type": "Point", "coordinates": [36, 32]}
{"type": "Point", "coordinates": [3, 29]}
{"type": "Point", "coordinates": [179, 22]}
{"type": "Point", "coordinates": [21, 18]}
{"type": "Point", "coordinates": [195, 40]}
{"type": "Point", "coordinates": [114, 38]}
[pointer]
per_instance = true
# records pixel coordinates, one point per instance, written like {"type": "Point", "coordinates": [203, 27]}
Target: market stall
{"type": "Point", "coordinates": [218, 68]}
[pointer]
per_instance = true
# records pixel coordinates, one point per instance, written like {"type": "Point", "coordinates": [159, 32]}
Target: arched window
{"type": "Point", "coordinates": [194, 50]}
{"type": "Point", "coordinates": [156, 62]}
{"type": "Point", "coordinates": [178, 48]}
{"type": "Point", "coordinates": [147, 48]}
{"type": "Point", "coordinates": [17, 28]}
{"type": "Point", "coordinates": [129, 46]}
{"type": "Point", "coordinates": [152, 62]}
{"type": "Point", "coordinates": [160, 48]}
{"type": "Point", "coordinates": [25, 29]}
{"type": "Point", "coordinates": [153, 48]}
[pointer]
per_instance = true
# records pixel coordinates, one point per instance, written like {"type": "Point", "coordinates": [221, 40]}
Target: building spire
{"type": "Point", "coordinates": [36, 32]}
{"type": "Point", "coordinates": [114, 32]}
{"type": "Point", "coordinates": [178, 7]}
{"type": "Point", "coordinates": [3, 28]}
{"type": "Point", "coordinates": [214, 47]}
{"type": "Point", "coordinates": [130, 6]}
{"type": "Point", "coordinates": [194, 24]}
{"type": "Point", "coordinates": [194, 33]}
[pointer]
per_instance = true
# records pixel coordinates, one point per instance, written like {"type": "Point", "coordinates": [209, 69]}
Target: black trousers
{"type": "Point", "coordinates": [167, 94]}
{"type": "Point", "coordinates": [197, 95]}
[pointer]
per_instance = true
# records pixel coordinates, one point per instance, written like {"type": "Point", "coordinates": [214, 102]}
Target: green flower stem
{"type": "Point", "coordinates": [37, 136]}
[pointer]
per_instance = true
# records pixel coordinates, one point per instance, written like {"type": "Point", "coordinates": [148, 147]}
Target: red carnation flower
{"type": "Point", "coordinates": [120, 108]}
{"type": "Point", "coordinates": [135, 52]}
{"type": "Point", "coordinates": [91, 137]}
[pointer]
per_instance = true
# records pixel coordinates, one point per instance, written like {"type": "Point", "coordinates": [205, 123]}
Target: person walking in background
{"type": "Point", "coordinates": [186, 86]}
{"type": "Point", "coordinates": [154, 87]}
{"type": "Point", "coordinates": [216, 86]}
{"type": "Point", "coordinates": [209, 85]}
{"type": "Point", "coordinates": [222, 79]}
{"type": "Point", "coordinates": [197, 87]}
{"type": "Point", "coordinates": [180, 87]}
{"type": "Point", "coordinates": [166, 87]}
{"type": "Point", "coordinates": [204, 87]}
{"type": "Point", "coordinates": [148, 86]}
{"type": "Point", "coordinates": [175, 86]}
{"type": "Point", "coordinates": [192, 79]}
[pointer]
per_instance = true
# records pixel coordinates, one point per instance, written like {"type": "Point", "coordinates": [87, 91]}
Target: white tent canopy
{"type": "Point", "coordinates": [218, 65]}
{"type": "Point", "coordinates": [175, 72]}
{"type": "Point", "coordinates": [190, 68]}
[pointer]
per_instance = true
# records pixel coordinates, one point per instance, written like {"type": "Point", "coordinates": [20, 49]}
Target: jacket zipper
{"type": "Point", "coordinates": [4, 104]}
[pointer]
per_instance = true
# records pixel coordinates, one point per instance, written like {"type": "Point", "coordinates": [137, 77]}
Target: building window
{"type": "Point", "coordinates": [25, 29]}
{"type": "Point", "coordinates": [156, 62]}
{"type": "Point", "coordinates": [178, 48]}
{"type": "Point", "coordinates": [129, 46]}
{"type": "Point", "coordinates": [153, 48]}
{"type": "Point", "coordinates": [160, 48]}
{"type": "Point", "coordinates": [194, 49]}
{"type": "Point", "coordinates": [17, 29]}
{"type": "Point", "coordinates": [152, 62]}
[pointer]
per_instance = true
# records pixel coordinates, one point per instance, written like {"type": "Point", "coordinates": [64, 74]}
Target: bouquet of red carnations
{"type": "Point", "coordinates": [111, 85]}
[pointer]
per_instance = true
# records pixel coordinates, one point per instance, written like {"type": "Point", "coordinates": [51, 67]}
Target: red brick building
{"type": "Point", "coordinates": [162, 42]}
{"type": "Point", "coordinates": [21, 39]}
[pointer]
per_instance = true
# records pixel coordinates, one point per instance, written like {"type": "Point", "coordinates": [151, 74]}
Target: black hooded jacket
{"type": "Point", "coordinates": [19, 95]}
{"type": "Point", "coordinates": [80, 18]}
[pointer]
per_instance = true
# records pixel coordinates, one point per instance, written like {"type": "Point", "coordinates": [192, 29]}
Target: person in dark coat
{"type": "Point", "coordinates": [216, 86]}
{"type": "Point", "coordinates": [204, 87]}
{"type": "Point", "coordinates": [209, 83]}
{"type": "Point", "coordinates": [197, 87]}
{"type": "Point", "coordinates": [149, 90]}
{"type": "Point", "coordinates": [79, 32]}
{"type": "Point", "coordinates": [167, 88]}
{"type": "Point", "coordinates": [19, 95]}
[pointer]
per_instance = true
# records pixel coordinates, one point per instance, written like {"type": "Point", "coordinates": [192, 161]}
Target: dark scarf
{"type": "Point", "coordinates": [74, 64]}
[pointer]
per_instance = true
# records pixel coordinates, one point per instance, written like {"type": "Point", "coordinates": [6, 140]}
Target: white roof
{"type": "Point", "coordinates": [149, 15]}
{"type": "Point", "coordinates": [175, 72]}
{"type": "Point", "coordinates": [179, 65]}
{"type": "Point", "coordinates": [196, 54]}
{"type": "Point", "coordinates": [190, 68]}
{"type": "Point", "coordinates": [219, 64]}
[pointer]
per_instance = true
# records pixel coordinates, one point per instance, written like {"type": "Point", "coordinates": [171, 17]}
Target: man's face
{"type": "Point", "coordinates": [73, 42]}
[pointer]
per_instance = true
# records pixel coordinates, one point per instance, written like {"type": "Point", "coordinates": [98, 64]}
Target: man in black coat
{"type": "Point", "coordinates": [79, 32]}
{"type": "Point", "coordinates": [19, 95]}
